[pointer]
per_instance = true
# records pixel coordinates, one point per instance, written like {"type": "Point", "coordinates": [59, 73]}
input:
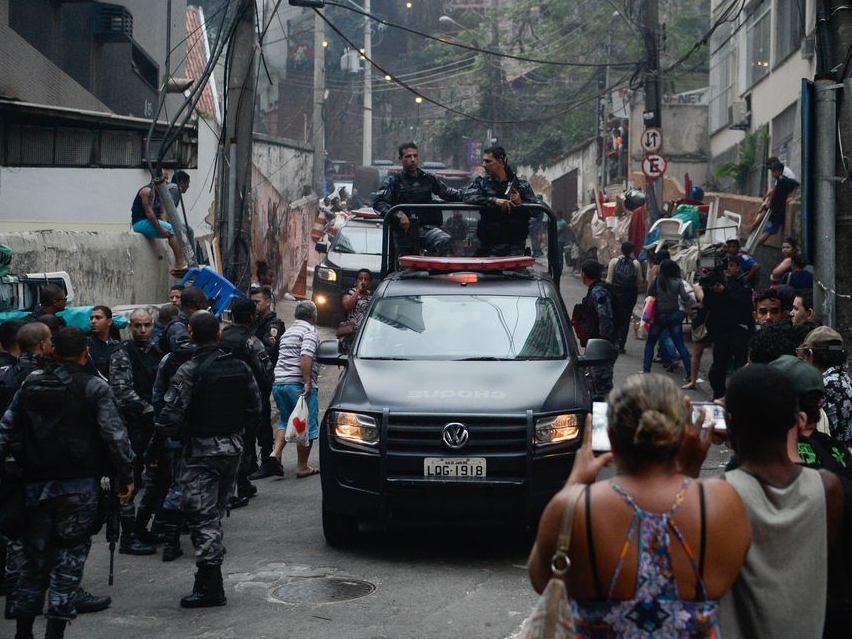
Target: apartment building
{"type": "Point", "coordinates": [758, 57]}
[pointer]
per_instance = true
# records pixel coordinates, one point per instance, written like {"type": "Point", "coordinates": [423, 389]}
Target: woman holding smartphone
{"type": "Point", "coordinates": [652, 550]}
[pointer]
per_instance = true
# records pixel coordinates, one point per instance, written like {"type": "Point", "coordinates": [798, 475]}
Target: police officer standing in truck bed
{"type": "Point", "coordinates": [414, 186]}
{"type": "Point", "coordinates": [504, 223]}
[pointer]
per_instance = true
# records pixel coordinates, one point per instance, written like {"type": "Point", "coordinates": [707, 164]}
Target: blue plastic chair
{"type": "Point", "coordinates": [220, 292]}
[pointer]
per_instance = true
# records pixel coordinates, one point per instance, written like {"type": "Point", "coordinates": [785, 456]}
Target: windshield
{"type": "Point", "coordinates": [462, 327]}
{"type": "Point", "coordinates": [359, 239]}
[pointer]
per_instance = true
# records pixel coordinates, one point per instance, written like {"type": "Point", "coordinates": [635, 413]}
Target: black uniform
{"type": "Point", "coordinates": [133, 371]}
{"type": "Point", "coordinates": [501, 233]}
{"type": "Point", "coordinates": [211, 399]}
{"type": "Point", "coordinates": [248, 348]}
{"type": "Point", "coordinates": [425, 230]}
{"type": "Point", "coordinates": [70, 434]}
{"type": "Point", "coordinates": [100, 352]}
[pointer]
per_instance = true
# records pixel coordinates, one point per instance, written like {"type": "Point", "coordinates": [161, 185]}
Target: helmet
{"type": "Point", "coordinates": [697, 194]}
{"type": "Point", "coordinates": [633, 199]}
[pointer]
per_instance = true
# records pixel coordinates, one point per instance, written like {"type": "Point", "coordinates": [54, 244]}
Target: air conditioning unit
{"type": "Point", "coordinates": [809, 47]}
{"type": "Point", "coordinates": [739, 116]}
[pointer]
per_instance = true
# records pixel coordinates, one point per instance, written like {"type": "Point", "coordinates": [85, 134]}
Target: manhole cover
{"type": "Point", "coordinates": [323, 590]}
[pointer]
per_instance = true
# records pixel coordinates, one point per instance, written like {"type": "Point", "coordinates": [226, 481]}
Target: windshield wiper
{"type": "Point", "coordinates": [483, 359]}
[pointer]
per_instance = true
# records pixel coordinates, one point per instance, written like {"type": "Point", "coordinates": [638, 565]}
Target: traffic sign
{"type": "Point", "coordinates": [654, 166]}
{"type": "Point", "coordinates": [652, 140]}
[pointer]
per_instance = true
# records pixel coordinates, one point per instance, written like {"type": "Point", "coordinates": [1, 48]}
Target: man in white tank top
{"type": "Point", "coordinates": [795, 513]}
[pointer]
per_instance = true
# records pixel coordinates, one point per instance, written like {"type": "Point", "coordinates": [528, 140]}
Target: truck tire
{"type": "Point", "coordinates": [340, 531]}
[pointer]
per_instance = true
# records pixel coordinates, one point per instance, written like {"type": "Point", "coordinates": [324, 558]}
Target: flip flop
{"type": "Point", "coordinates": [311, 471]}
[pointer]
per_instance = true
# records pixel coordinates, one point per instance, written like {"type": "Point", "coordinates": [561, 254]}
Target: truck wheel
{"type": "Point", "coordinates": [340, 531]}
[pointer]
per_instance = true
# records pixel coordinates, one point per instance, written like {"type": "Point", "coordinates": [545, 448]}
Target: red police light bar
{"type": "Point", "coordinates": [481, 264]}
{"type": "Point", "coordinates": [366, 213]}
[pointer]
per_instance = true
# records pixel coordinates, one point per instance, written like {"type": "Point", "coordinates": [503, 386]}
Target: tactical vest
{"type": "Point", "coordinates": [61, 436]}
{"type": "Point", "coordinates": [12, 378]}
{"type": "Point", "coordinates": [418, 190]}
{"type": "Point", "coordinates": [144, 368]}
{"type": "Point", "coordinates": [163, 341]}
{"type": "Point", "coordinates": [235, 340]}
{"type": "Point", "coordinates": [219, 396]}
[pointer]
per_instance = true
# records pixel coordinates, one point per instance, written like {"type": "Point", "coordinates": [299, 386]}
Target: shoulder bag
{"type": "Point", "coordinates": [551, 617]}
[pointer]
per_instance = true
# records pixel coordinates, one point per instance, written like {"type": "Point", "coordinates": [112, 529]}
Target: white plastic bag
{"type": "Point", "coordinates": [297, 424]}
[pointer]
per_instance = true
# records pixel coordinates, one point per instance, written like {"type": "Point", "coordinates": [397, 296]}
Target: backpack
{"type": "Point", "coordinates": [585, 317]}
{"type": "Point", "coordinates": [624, 277]}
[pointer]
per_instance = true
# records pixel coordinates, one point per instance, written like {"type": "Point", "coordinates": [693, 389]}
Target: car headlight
{"type": "Point", "coordinates": [352, 427]}
{"type": "Point", "coordinates": [557, 429]}
{"type": "Point", "coordinates": [327, 274]}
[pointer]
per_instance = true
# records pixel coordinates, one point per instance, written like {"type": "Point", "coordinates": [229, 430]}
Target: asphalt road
{"type": "Point", "coordinates": [418, 585]}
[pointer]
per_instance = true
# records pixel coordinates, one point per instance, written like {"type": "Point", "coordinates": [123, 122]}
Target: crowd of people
{"type": "Point", "coordinates": [173, 416]}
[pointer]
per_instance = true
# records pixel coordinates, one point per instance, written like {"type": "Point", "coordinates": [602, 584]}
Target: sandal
{"type": "Point", "coordinates": [311, 471]}
{"type": "Point", "coordinates": [689, 386]}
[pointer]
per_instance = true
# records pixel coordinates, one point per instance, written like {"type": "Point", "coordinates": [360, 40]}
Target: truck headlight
{"type": "Point", "coordinates": [327, 274]}
{"type": "Point", "coordinates": [352, 427]}
{"type": "Point", "coordinates": [557, 429]}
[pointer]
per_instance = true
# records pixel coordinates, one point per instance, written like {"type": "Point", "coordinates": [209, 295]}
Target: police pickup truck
{"type": "Point", "coordinates": [462, 402]}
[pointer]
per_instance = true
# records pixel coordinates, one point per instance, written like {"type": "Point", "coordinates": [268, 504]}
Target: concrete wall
{"type": "Point", "coordinates": [35, 198]}
{"type": "Point", "coordinates": [286, 164]}
{"type": "Point", "coordinates": [581, 158]}
{"type": "Point", "coordinates": [105, 268]}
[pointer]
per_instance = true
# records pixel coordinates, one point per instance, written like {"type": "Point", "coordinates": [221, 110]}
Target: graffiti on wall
{"type": "Point", "coordinates": [282, 234]}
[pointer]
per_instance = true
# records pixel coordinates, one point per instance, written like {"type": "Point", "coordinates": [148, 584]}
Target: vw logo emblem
{"type": "Point", "coordinates": [455, 435]}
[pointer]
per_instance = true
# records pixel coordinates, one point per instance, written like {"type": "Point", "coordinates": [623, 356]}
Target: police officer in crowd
{"type": "Point", "coordinates": [133, 369]}
{"type": "Point", "coordinates": [101, 344]}
{"type": "Point", "coordinates": [601, 307]}
{"type": "Point", "coordinates": [175, 336]}
{"type": "Point", "coordinates": [52, 300]}
{"type": "Point", "coordinates": [175, 342]}
{"type": "Point", "coordinates": [64, 429]}
{"type": "Point", "coordinates": [504, 223]}
{"type": "Point", "coordinates": [414, 186]}
{"type": "Point", "coordinates": [269, 330]}
{"type": "Point", "coordinates": [9, 343]}
{"type": "Point", "coordinates": [239, 339]}
{"type": "Point", "coordinates": [211, 399]}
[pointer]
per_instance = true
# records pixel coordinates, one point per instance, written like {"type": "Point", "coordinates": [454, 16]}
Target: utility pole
{"type": "Point", "coordinates": [319, 102]}
{"type": "Point", "coordinates": [495, 75]}
{"type": "Point", "coordinates": [239, 126]}
{"type": "Point", "coordinates": [838, 29]}
{"type": "Point", "coordinates": [652, 116]}
{"type": "Point", "coordinates": [367, 155]}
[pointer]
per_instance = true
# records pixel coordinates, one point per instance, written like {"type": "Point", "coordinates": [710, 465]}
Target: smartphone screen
{"type": "Point", "coordinates": [712, 414]}
{"type": "Point", "coordinates": [600, 438]}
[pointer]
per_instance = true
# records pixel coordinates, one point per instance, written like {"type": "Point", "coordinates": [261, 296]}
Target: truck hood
{"type": "Point", "coordinates": [461, 387]}
{"type": "Point", "coordinates": [355, 261]}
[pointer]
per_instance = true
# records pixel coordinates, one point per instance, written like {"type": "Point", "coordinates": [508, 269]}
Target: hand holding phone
{"type": "Point", "coordinates": [712, 414]}
{"type": "Point", "coordinates": [600, 436]}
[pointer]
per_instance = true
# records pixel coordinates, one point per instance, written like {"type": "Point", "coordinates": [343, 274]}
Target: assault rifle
{"type": "Point", "coordinates": [113, 523]}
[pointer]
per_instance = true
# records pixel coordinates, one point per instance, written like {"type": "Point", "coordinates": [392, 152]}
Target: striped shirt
{"type": "Point", "coordinates": [300, 339]}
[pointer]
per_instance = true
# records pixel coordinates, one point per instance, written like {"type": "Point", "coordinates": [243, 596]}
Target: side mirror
{"type": "Point", "coordinates": [598, 353]}
{"type": "Point", "coordinates": [328, 353]}
{"type": "Point", "coordinates": [321, 247]}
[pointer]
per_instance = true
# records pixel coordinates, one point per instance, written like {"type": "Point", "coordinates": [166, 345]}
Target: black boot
{"type": "Point", "coordinates": [86, 602]}
{"type": "Point", "coordinates": [11, 579]}
{"type": "Point", "coordinates": [55, 629]}
{"type": "Point", "coordinates": [269, 467]}
{"type": "Point", "coordinates": [129, 544]}
{"type": "Point", "coordinates": [171, 533]}
{"type": "Point", "coordinates": [141, 529]}
{"type": "Point", "coordinates": [208, 590]}
{"type": "Point", "coordinates": [24, 628]}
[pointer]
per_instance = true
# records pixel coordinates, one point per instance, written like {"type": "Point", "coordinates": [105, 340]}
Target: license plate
{"type": "Point", "coordinates": [454, 467]}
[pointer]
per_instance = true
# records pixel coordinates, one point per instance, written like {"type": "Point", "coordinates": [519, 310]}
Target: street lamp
{"type": "Point", "coordinates": [448, 21]}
